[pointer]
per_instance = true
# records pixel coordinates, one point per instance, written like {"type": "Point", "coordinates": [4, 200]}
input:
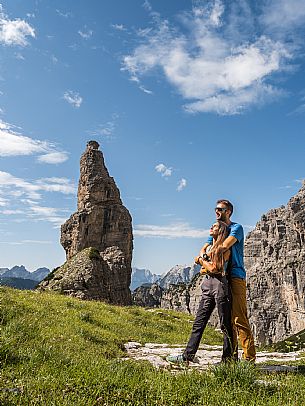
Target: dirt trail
{"type": "Point", "coordinates": [206, 355]}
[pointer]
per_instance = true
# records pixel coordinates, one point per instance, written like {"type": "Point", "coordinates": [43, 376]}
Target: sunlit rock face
{"type": "Point", "coordinates": [103, 223]}
{"type": "Point", "coordinates": [101, 220]}
{"type": "Point", "coordinates": [147, 295]}
{"type": "Point", "coordinates": [275, 263]}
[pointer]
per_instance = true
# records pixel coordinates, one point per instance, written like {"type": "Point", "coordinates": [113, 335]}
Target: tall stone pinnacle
{"type": "Point", "coordinates": [97, 238]}
{"type": "Point", "coordinates": [101, 220]}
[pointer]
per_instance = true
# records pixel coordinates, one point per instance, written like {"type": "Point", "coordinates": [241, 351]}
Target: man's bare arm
{"type": "Point", "coordinates": [228, 242]}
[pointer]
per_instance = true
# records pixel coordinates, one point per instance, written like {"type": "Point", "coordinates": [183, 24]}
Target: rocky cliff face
{"type": "Point", "coordinates": [140, 277]}
{"type": "Point", "coordinates": [275, 263]}
{"type": "Point", "coordinates": [147, 295]}
{"type": "Point", "coordinates": [90, 275]}
{"type": "Point", "coordinates": [179, 274]}
{"type": "Point", "coordinates": [103, 223]}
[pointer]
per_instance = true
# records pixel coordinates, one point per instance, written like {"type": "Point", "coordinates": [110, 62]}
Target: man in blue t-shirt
{"type": "Point", "coordinates": [237, 276]}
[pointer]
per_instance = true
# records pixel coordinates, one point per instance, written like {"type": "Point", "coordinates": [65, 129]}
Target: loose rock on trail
{"type": "Point", "coordinates": [206, 356]}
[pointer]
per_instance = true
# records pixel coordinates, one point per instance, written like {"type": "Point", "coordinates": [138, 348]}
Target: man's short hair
{"type": "Point", "coordinates": [227, 203]}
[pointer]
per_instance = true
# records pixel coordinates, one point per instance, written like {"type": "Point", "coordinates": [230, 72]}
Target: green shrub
{"type": "Point", "coordinates": [94, 253]}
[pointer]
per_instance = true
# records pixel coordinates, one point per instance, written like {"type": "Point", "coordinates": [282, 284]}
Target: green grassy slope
{"type": "Point", "coordinates": [293, 343]}
{"type": "Point", "coordinates": [55, 350]}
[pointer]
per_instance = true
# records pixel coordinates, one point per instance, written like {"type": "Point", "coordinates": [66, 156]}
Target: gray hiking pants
{"type": "Point", "coordinates": [215, 292]}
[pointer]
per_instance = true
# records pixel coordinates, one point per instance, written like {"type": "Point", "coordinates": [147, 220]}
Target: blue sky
{"type": "Point", "coordinates": [191, 101]}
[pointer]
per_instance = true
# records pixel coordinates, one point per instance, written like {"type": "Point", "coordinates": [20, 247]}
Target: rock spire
{"type": "Point", "coordinates": [102, 223]}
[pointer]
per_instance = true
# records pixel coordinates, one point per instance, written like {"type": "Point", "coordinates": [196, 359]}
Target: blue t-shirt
{"type": "Point", "coordinates": [237, 251]}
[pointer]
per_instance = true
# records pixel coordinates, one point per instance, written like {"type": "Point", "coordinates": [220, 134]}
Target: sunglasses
{"type": "Point", "coordinates": [222, 209]}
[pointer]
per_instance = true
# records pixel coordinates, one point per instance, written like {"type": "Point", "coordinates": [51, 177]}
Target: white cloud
{"type": "Point", "coordinates": [11, 212]}
{"type": "Point", "coordinates": [22, 198]}
{"type": "Point", "coordinates": [37, 242]}
{"type": "Point", "coordinates": [147, 5]}
{"type": "Point", "coordinates": [14, 32]}
{"type": "Point", "coordinates": [107, 129]}
{"type": "Point", "coordinates": [282, 15]}
{"type": "Point", "coordinates": [85, 34]}
{"type": "Point", "coordinates": [50, 214]}
{"type": "Point", "coordinates": [73, 98]}
{"type": "Point", "coordinates": [213, 66]}
{"type": "Point", "coordinates": [3, 202]}
{"type": "Point", "coordinates": [26, 242]}
{"type": "Point", "coordinates": [54, 59]}
{"type": "Point", "coordinates": [176, 230]}
{"type": "Point", "coordinates": [32, 190]}
{"type": "Point", "coordinates": [164, 170]}
{"type": "Point", "coordinates": [63, 14]}
{"type": "Point", "coordinates": [53, 158]}
{"type": "Point", "coordinates": [61, 185]}
{"type": "Point", "coordinates": [118, 27]}
{"type": "Point", "coordinates": [147, 91]}
{"type": "Point", "coordinates": [181, 184]}
{"type": "Point", "coordinates": [13, 143]}
{"type": "Point", "coordinates": [19, 56]}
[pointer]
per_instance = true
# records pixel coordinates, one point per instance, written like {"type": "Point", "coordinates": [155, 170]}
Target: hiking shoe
{"type": "Point", "coordinates": [177, 359]}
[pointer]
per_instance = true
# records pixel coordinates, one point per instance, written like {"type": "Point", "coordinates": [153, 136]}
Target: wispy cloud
{"type": "Point", "coordinates": [49, 214]}
{"type": "Point", "coordinates": [107, 130]}
{"type": "Point", "coordinates": [12, 143]}
{"type": "Point", "coordinates": [73, 98]}
{"type": "Point", "coordinates": [14, 32]}
{"type": "Point", "coordinates": [147, 91]}
{"type": "Point", "coordinates": [175, 230]}
{"type": "Point", "coordinates": [118, 27]}
{"type": "Point", "coordinates": [300, 109]}
{"type": "Point", "coordinates": [85, 33]}
{"type": "Point", "coordinates": [164, 170]}
{"type": "Point", "coordinates": [22, 199]}
{"type": "Point", "coordinates": [181, 184]}
{"type": "Point", "coordinates": [283, 15]}
{"type": "Point", "coordinates": [216, 60]}
{"type": "Point", "coordinates": [26, 242]}
{"type": "Point", "coordinates": [35, 212]}
{"type": "Point", "coordinates": [64, 14]}
{"type": "Point", "coordinates": [53, 158]}
{"type": "Point", "coordinates": [10, 184]}
{"type": "Point", "coordinates": [293, 184]}
{"type": "Point", "coordinates": [3, 202]}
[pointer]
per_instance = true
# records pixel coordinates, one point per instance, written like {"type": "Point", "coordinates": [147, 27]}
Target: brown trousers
{"type": "Point", "coordinates": [241, 326]}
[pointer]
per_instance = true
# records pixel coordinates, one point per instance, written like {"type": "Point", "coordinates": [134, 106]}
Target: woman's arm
{"type": "Point", "coordinates": [211, 266]}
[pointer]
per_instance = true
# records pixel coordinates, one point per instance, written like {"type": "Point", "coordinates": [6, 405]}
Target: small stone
{"type": "Point", "coordinates": [131, 345]}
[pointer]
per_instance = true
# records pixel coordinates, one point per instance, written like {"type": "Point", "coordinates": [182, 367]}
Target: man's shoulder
{"type": "Point", "coordinates": [237, 231]}
{"type": "Point", "coordinates": [234, 225]}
